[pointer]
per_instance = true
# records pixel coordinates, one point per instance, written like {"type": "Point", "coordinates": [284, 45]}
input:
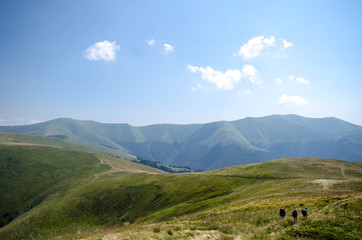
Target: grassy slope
{"type": "Point", "coordinates": [330, 189]}
{"type": "Point", "coordinates": [74, 196]}
{"type": "Point", "coordinates": [30, 172]}
{"type": "Point", "coordinates": [34, 168]}
{"type": "Point", "coordinates": [10, 139]}
{"type": "Point", "coordinates": [240, 201]}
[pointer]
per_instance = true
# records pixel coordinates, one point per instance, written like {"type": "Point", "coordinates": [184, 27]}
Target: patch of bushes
{"type": "Point", "coordinates": [158, 165]}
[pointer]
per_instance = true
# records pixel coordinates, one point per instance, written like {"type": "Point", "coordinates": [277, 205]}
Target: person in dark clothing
{"type": "Point", "coordinates": [282, 213]}
{"type": "Point", "coordinates": [295, 214]}
{"type": "Point", "coordinates": [304, 212]}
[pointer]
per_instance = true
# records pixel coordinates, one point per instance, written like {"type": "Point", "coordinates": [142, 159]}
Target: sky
{"type": "Point", "coordinates": [149, 62]}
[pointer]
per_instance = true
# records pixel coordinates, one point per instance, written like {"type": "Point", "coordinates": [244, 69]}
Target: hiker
{"type": "Point", "coordinates": [304, 212]}
{"type": "Point", "coordinates": [282, 213]}
{"type": "Point", "coordinates": [295, 214]}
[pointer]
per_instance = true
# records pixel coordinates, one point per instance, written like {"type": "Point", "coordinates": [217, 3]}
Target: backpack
{"type": "Point", "coordinates": [295, 214]}
{"type": "Point", "coordinates": [282, 212]}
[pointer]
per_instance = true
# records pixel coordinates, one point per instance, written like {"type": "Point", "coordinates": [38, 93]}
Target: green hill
{"type": "Point", "coordinates": [65, 193]}
{"type": "Point", "coordinates": [214, 145]}
{"type": "Point", "coordinates": [30, 173]}
{"type": "Point", "coordinates": [33, 168]}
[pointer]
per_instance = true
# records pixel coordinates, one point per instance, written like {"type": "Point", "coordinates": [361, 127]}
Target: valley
{"type": "Point", "coordinates": [65, 192]}
{"type": "Point", "coordinates": [214, 145]}
{"type": "Point", "coordinates": [180, 120]}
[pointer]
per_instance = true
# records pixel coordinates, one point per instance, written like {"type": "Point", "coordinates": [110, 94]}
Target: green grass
{"type": "Point", "coordinates": [128, 197]}
{"type": "Point", "coordinates": [69, 194]}
{"type": "Point", "coordinates": [114, 200]}
{"type": "Point", "coordinates": [339, 220]}
{"type": "Point", "coordinates": [29, 174]}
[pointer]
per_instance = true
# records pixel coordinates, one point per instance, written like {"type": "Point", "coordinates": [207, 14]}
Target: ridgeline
{"type": "Point", "coordinates": [213, 145]}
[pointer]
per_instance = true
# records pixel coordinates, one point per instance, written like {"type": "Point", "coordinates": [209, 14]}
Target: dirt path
{"type": "Point", "coordinates": [343, 172]}
{"type": "Point", "coordinates": [100, 159]}
{"type": "Point", "coordinates": [119, 169]}
{"type": "Point", "coordinates": [326, 183]}
{"type": "Point", "coordinates": [115, 169]}
{"type": "Point", "coordinates": [331, 207]}
{"type": "Point", "coordinates": [348, 177]}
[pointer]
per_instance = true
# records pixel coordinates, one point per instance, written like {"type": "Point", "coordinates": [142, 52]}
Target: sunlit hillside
{"type": "Point", "coordinates": [87, 195]}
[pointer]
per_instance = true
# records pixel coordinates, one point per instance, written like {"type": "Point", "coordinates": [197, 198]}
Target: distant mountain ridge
{"type": "Point", "coordinates": [212, 145]}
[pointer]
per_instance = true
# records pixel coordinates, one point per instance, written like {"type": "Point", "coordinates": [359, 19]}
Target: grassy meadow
{"type": "Point", "coordinates": [53, 191]}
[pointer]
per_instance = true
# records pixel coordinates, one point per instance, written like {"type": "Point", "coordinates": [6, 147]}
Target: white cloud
{"type": "Point", "coordinates": [224, 81]}
{"type": "Point", "coordinates": [293, 100]}
{"type": "Point", "coordinates": [278, 81]}
{"type": "Point", "coordinates": [168, 48]}
{"type": "Point", "coordinates": [302, 80]}
{"type": "Point", "coordinates": [102, 51]}
{"type": "Point", "coordinates": [255, 46]}
{"type": "Point", "coordinates": [230, 78]}
{"type": "Point", "coordinates": [151, 42]}
{"type": "Point", "coordinates": [269, 41]}
{"type": "Point", "coordinates": [192, 69]}
{"type": "Point", "coordinates": [245, 92]}
{"type": "Point", "coordinates": [298, 79]}
{"type": "Point", "coordinates": [251, 73]}
{"type": "Point", "coordinates": [287, 44]}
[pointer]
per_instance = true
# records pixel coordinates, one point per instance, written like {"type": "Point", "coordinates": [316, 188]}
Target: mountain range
{"type": "Point", "coordinates": [212, 145]}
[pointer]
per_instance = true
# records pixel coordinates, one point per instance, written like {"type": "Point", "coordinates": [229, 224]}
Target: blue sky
{"type": "Point", "coordinates": [146, 62]}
